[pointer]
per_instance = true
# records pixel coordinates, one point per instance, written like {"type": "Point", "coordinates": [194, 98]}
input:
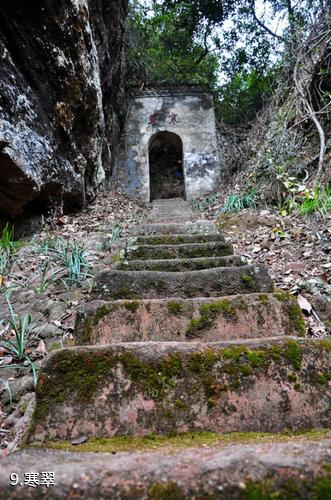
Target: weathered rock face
{"type": "Point", "coordinates": [207, 320]}
{"type": "Point", "coordinates": [175, 387]}
{"type": "Point", "coordinates": [61, 100]}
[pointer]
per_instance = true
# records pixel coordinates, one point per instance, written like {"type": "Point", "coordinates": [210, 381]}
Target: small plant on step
{"type": "Point", "coordinates": [294, 190]}
{"type": "Point", "coordinates": [123, 254]}
{"type": "Point", "coordinates": [21, 326]}
{"type": "Point", "coordinates": [5, 263]}
{"type": "Point", "coordinates": [46, 279]}
{"type": "Point", "coordinates": [7, 242]}
{"type": "Point", "coordinates": [237, 202]}
{"type": "Point", "coordinates": [197, 205]}
{"type": "Point", "coordinates": [200, 205]}
{"type": "Point", "coordinates": [130, 246]}
{"type": "Point", "coordinates": [317, 201]}
{"type": "Point", "coordinates": [301, 199]}
{"type": "Point", "coordinates": [108, 243]}
{"type": "Point", "coordinates": [47, 245]}
{"type": "Point", "coordinates": [76, 264]}
{"type": "Point", "coordinates": [8, 248]}
{"type": "Point", "coordinates": [4, 383]}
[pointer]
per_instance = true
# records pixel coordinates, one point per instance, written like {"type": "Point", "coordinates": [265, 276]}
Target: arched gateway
{"type": "Point", "coordinates": [166, 166]}
{"type": "Point", "coordinates": [169, 149]}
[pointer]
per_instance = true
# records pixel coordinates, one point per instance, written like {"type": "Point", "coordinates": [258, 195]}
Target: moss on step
{"type": "Point", "coordinates": [317, 488]}
{"type": "Point", "coordinates": [131, 306]}
{"type": "Point", "coordinates": [186, 440]}
{"type": "Point", "coordinates": [221, 250]}
{"type": "Point", "coordinates": [84, 335]}
{"type": "Point", "coordinates": [257, 358]}
{"type": "Point", "coordinates": [293, 353]}
{"type": "Point", "coordinates": [249, 281]}
{"type": "Point", "coordinates": [54, 346]}
{"type": "Point", "coordinates": [179, 265]}
{"type": "Point", "coordinates": [79, 376]}
{"type": "Point", "coordinates": [325, 345]}
{"type": "Point", "coordinates": [296, 319]}
{"type": "Point", "coordinates": [292, 310]}
{"type": "Point", "coordinates": [192, 250]}
{"type": "Point", "coordinates": [85, 328]}
{"type": "Point", "coordinates": [179, 239]}
{"type": "Point", "coordinates": [125, 293]}
{"type": "Point", "coordinates": [164, 240]}
{"type": "Point", "coordinates": [165, 491]}
{"type": "Point", "coordinates": [243, 363]}
{"type": "Point", "coordinates": [282, 296]}
{"type": "Point", "coordinates": [175, 307]}
{"type": "Point", "coordinates": [322, 378]}
{"type": "Point", "coordinates": [208, 314]}
{"type": "Point", "coordinates": [263, 298]}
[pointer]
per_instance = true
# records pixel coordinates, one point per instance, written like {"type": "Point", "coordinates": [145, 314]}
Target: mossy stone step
{"type": "Point", "coordinates": [173, 387]}
{"type": "Point", "coordinates": [177, 265]}
{"type": "Point", "coordinates": [206, 283]}
{"type": "Point", "coordinates": [229, 467]}
{"type": "Point", "coordinates": [198, 227]}
{"type": "Point", "coordinates": [171, 219]}
{"type": "Point", "coordinates": [206, 320]}
{"type": "Point", "coordinates": [182, 251]}
{"type": "Point", "coordinates": [178, 239]}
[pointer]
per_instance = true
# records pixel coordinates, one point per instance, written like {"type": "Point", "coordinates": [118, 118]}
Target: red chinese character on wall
{"type": "Point", "coordinates": [173, 119]}
{"type": "Point", "coordinates": [153, 119]}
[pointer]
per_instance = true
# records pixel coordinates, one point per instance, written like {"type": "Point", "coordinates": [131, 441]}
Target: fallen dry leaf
{"type": "Point", "coordinates": [304, 304]}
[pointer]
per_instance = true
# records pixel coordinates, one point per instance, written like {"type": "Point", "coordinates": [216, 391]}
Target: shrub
{"type": "Point", "coordinates": [237, 202]}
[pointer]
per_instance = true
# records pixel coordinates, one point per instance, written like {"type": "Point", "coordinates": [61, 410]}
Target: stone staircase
{"type": "Point", "coordinates": [167, 350]}
{"type": "Point", "coordinates": [183, 337]}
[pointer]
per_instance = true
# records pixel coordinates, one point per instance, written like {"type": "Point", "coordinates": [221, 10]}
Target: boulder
{"type": "Point", "coordinates": [61, 101]}
{"type": "Point", "coordinates": [164, 388]}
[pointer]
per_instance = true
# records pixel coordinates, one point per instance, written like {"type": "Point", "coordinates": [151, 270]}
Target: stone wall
{"type": "Point", "coordinates": [190, 115]}
{"type": "Point", "coordinates": [61, 101]}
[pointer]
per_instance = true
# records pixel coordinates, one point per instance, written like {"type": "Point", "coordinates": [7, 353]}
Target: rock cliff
{"type": "Point", "coordinates": [62, 103]}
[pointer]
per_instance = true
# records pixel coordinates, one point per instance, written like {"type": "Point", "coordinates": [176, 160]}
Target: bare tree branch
{"type": "Point", "coordinates": [263, 26]}
{"type": "Point", "coordinates": [205, 42]}
{"type": "Point", "coordinates": [312, 115]}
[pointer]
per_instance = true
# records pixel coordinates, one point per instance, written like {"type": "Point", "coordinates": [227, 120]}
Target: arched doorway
{"type": "Point", "coordinates": [166, 166]}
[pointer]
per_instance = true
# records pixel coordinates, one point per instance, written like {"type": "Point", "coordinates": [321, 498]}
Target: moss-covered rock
{"type": "Point", "coordinates": [206, 283]}
{"type": "Point", "coordinates": [161, 388]}
{"type": "Point", "coordinates": [182, 251]}
{"type": "Point", "coordinates": [208, 314]}
{"type": "Point", "coordinates": [179, 239]}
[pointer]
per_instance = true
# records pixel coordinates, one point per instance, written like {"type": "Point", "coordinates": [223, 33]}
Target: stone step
{"type": "Point", "coordinates": [184, 251]}
{"type": "Point", "coordinates": [172, 205]}
{"type": "Point", "coordinates": [198, 227]}
{"type": "Point", "coordinates": [172, 387]}
{"type": "Point", "coordinates": [207, 320]}
{"type": "Point", "coordinates": [206, 283]}
{"type": "Point", "coordinates": [169, 201]}
{"type": "Point", "coordinates": [178, 239]}
{"type": "Point", "coordinates": [177, 265]}
{"type": "Point", "coordinates": [176, 211]}
{"type": "Point", "coordinates": [269, 467]}
{"type": "Point", "coordinates": [172, 210]}
{"type": "Point", "coordinates": [169, 217]}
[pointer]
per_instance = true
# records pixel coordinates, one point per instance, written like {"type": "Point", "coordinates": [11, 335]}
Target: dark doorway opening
{"type": "Point", "coordinates": [166, 166]}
